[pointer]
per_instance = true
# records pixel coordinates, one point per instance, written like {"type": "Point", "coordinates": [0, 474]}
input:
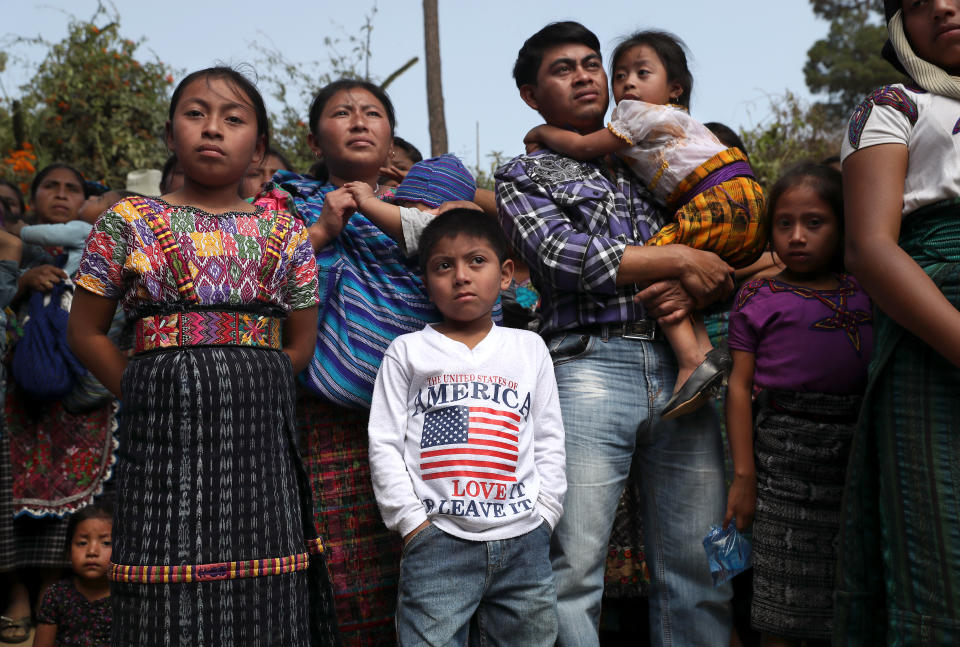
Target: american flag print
{"type": "Point", "coordinates": [470, 442]}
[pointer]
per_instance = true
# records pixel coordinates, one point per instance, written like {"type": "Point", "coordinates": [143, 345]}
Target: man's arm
{"type": "Point", "coordinates": [574, 260]}
{"type": "Point", "coordinates": [703, 275]}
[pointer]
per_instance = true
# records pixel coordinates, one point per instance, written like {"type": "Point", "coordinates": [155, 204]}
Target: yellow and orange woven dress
{"type": "Point", "coordinates": [718, 206]}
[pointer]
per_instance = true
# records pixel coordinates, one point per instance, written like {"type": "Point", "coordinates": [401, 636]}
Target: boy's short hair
{"type": "Point", "coordinates": [468, 222]}
{"type": "Point", "coordinates": [437, 180]}
{"type": "Point", "coordinates": [530, 55]}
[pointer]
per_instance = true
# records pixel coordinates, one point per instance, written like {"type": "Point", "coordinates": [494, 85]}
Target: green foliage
{"type": "Point", "coordinates": [795, 132]}
{"type": "Point", "coordinates": [830, 9]}
{"type": "Point", "coordinates": [92, 103]}
{"type": "Point", "coordinates": [846, 65]}
{"type": "Point", "coordinates": [484, 176]}
{"type": "Point", "coordinates": [293, 84]}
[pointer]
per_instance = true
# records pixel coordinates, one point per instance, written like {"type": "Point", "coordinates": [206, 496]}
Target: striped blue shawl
{"type": "Point", "coordinates": [369, 294]}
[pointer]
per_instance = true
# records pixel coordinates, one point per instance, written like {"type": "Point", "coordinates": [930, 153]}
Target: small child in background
{"type": "Point", "coordinates": [70, 236]}
{"type": "Point", "coordinates": [428, 185]}
{"type": "Point", "coordinates": [260, 173]}
{"type": "Point", "coordinates": [467, 453]}
{"type": "Point", "coordinates": [801, 342]}
{"type": "Point", "coordinates": [402, 157]}
{"type": "Point", "coordinates": [717, 204]}
{"type": "Point", "coordinates": [76, 610]}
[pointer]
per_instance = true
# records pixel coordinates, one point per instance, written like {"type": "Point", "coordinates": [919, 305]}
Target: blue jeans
{"type": "Point", "coordinates": [497, 592]}
{"type": "Point", "coordinates": [611, 395]}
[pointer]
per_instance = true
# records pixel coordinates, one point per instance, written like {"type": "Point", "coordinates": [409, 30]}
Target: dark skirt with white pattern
{"type": "Point", "coordinates": [802, 444]}
{"type": "Point", "coordinates": [208, 472]}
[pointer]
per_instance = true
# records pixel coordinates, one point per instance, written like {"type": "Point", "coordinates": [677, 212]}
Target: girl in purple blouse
{"type": "Point", "coordinates": [801, 342]}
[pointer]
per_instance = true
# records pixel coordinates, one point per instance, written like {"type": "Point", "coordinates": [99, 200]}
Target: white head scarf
{"type": "Point", "coordinates": [927, 75]}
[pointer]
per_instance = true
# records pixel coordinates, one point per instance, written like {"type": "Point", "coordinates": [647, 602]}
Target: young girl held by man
{"type": "Point", "coordinates": [76, 610]}
{"type": "Point", "coordinates": [717, 204]}
{"type": "Point", "coordinates": [801, 342]}
{"type": "Point", "coordinates": [215, 543]}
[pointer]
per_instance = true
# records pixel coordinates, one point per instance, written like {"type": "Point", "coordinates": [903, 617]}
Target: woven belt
{"type": "Point", "coordinates": [213, 572]}
{"type": "Point", "coordinates": [207, 328]}
{"type": "Point", "coordinates": [643, 329]}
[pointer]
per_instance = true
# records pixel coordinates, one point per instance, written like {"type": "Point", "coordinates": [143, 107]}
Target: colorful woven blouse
{"type": "Point", "coordinates": [223, 253]}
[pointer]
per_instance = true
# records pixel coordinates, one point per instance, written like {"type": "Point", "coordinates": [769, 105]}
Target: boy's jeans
{"type": "Point", "coordinates": [501, 592]}
{"type": "Point", "coordinates": [611, 394]}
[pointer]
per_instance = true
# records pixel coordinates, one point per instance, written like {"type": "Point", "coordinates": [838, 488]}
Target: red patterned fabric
{"type": "Point", "coordinates": [363, 557]}
{"type": "Point", "coordinates": [60, 460]}
{"type": "Point", "coordinates": [207, 328]}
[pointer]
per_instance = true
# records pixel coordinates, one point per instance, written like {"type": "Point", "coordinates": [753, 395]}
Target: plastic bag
{"type": "Point", "coordinates": [728, 552]}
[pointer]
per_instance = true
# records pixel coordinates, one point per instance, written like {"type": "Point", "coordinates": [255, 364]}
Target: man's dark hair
{"type": "Point", "coordinates": [468, 222]}
{"type": "Point", "coordinates": [530, 55]}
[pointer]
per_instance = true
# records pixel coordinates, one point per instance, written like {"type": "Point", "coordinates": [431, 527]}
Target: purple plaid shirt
{"type": "Point", "coordinates": [570, 223]}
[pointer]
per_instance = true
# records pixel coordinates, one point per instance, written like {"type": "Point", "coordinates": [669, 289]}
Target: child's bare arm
{"type": "Point", "coordinates": [90, 319]}
{"type": "Point", "coordinates": [383, 215]}
{"type": "Point", "coordinates": [742, 498]}
{"type": "Point", "coordinates": [581, 147]}
{"type": "Point", "coordinates": [299, 337]}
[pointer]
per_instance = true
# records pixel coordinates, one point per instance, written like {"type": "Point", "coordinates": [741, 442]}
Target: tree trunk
{"type": "Point", "coordinates": [431, 38]}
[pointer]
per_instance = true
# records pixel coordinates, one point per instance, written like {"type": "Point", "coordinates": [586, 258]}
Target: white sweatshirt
{"type": "Point", "coordinates": [470, 439]}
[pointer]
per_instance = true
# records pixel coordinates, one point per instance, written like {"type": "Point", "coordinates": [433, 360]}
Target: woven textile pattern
{"type": "Point", "coordinates": [363, 556]}
{"type": "Point", "coordinates": [222, 256]}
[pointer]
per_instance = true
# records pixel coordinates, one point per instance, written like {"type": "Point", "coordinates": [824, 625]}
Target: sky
{"type": "Point", "coordinates": [744, 54]}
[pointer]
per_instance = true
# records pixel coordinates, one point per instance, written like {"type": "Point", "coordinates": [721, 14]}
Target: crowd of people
{"type": "Point", "coordinates": [369, 403]}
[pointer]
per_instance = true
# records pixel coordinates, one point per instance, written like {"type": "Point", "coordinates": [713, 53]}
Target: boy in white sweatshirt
{"type": "Point", "coordinates": [467, 453]}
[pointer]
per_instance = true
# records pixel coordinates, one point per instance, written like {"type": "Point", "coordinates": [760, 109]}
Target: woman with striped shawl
{"type": "Point", "coordinates": [369, 294]}
{"type": "Point", "coordinates": [899, 567]}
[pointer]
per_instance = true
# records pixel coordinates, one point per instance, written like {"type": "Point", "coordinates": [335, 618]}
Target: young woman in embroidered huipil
{"type": "Point", "coordinates": [214, 541]}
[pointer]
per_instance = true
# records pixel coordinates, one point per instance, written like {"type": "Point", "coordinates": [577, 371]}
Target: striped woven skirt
{"type": "Point", "coordinates": [899, 567]}
{"type": "Point", "coordinates": [213, 514]}
{"type": "Point", "coordinates": [802, 445]}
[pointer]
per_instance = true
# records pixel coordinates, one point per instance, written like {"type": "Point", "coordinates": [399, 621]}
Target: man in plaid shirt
{"type": "Point", "coordinates": [580, 226]}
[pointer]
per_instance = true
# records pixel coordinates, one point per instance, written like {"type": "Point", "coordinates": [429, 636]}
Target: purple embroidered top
{"type": "Point", "coordinates": [803, 339]}
{"type": "Point", "coordinates": [571, 224]}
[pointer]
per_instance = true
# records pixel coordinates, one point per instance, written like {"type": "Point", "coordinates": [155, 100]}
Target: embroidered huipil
{"type": "Point", "coordinates": [571, 224]}
{"type": "Point", "coordinates": [124, 260]}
